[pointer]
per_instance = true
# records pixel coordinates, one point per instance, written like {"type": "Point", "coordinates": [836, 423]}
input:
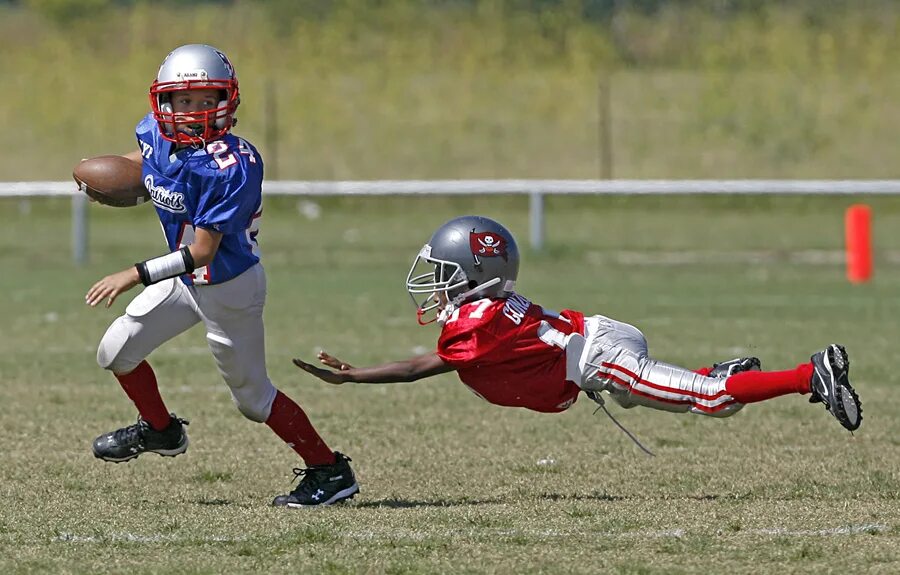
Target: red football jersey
{"type": "Point", "coordinates": [502, 354]}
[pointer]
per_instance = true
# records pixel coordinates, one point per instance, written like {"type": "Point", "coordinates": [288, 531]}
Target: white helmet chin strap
{"type": "Point", "coordinates": [464, 295]}
{"type": "Point", "coordinates": [445, 314]}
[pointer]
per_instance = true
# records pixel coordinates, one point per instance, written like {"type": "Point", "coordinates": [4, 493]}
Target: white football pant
{"type": "Point", "coordinates": [232, 313]}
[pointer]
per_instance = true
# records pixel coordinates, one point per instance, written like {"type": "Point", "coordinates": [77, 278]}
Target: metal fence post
{"type": "Point", "coordinates": [80, 229]}
{"type": "Point", "coordinates": [536, 215]}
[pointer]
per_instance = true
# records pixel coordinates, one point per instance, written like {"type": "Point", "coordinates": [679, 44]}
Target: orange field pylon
{"type": "Point", "coordinates": [858, 234]}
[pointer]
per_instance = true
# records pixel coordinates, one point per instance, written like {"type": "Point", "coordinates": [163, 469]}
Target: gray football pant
{"type": "Point", "coordinates": [613, 358]}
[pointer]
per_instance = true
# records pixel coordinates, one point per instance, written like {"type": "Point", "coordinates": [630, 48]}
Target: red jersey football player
{"type": "Point", "coordinates": [513, 352]}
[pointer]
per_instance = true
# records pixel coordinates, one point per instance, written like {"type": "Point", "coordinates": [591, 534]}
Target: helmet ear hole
{"type": "Point", "coordinates": [472, 284]}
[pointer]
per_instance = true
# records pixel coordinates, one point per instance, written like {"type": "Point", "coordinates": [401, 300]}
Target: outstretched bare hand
{"type": "Point", "coordinates": [333, 362]}
{"type": "Point", "coordinates": [328, 376]}
{"type": "Point", "coordinates": [112, 286]}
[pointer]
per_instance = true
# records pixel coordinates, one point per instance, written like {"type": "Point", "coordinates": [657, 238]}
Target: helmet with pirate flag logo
{"type": "Point", "coordinates": [467, 258]}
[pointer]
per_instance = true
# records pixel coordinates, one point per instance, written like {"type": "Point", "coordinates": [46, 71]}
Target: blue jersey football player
{"type": "Point", "coordinates": [206, 186]}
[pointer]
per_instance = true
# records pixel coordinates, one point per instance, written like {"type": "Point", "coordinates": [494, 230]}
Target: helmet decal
{"type": "Point", "coordinates": [467, 258]}
{"type": "Point", "coordinates": [487, 244]}
{"type": "Point", "coordinates": [227, 63]}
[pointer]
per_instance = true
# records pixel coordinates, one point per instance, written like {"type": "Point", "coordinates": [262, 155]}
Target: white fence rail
{"type": "Point", "coordinates": [536, 190]}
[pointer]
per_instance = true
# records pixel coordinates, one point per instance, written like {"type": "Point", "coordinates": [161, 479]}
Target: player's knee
{"type": "Point", "coordinates": [111, 351]}
{"type": "Point", "coordinates": [251, 389]}
{"type": "Point", "coordinates": [624, 400]}
{"type": "Point", "coordinates": [254, 402]}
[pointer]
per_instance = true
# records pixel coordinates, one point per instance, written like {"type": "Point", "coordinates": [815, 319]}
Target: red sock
{"type": "Point", "coordinates": [140, 385]}
{"type": "Point", "coordinates": [290, 423]}
{"type": "Point", "coordinates": [753, 386]}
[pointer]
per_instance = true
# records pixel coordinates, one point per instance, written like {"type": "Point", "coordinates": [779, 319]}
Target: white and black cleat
{"type": "Point", "coordinates": [830, 385]}
{"type": "Point", "coordinates": [321, 485]}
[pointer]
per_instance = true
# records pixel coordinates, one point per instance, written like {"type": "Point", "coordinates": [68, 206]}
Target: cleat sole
{"type": "Point", "coordinates": [163, 452]}
{"type": "Point", "coordinates": [339, 497]}
{"type": "Point", "coordinates": [849, 408]}
{"type": "Point", "coordinates": [127, 459]}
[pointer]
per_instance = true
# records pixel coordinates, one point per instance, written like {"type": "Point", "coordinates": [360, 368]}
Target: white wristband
{"type": "Point", "coordinates": [167, 266]}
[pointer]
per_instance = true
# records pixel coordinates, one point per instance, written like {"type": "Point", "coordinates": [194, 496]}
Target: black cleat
{"type": "Point", "coordinates": [830, 384]}
{"type": "Point", "coordinates": [321, 485]}
{"type": "Point", "coordinates": [733, 366]}
{"type": "Point", "coordinates": [129, 442]}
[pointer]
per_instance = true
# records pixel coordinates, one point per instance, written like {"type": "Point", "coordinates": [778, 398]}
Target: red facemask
{"type": "Point", "coordinates": [197, 127]}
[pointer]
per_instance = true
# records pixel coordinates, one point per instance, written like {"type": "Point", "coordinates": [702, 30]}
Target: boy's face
{"type": "Point", "coordinates": [188, 102]}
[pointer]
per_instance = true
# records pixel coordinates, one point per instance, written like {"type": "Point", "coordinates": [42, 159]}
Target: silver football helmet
{"type": "Point", "coordinates": [195, 67]}
{"type": "Point", "coordinates": [468, 258]}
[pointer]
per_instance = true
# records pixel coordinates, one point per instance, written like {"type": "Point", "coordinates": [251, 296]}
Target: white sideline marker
{"type": "Point", "coordinates": [419, 535]}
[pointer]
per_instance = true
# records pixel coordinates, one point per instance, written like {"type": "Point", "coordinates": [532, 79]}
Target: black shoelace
{"type": "Point", "coordinates": [298, 473]}
{"type": "Point", "coordinates": [131, 434]}
{"type": "Point", "coordinates": [308, 482]}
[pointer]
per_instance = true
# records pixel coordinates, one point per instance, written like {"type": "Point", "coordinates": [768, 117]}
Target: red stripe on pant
{"type": "Point", "coordinates": [745, 387]}
{"type": "Point", "coordinates": [689, 393]}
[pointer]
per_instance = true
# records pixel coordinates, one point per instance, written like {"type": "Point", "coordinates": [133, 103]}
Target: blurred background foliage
{"type": "Point", "coordinates": [339, 89]}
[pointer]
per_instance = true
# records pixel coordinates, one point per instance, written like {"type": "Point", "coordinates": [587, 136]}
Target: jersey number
{"type": "Point", "coordinates": [223, 155]}
{"type": "Point", "coordinates": [545, 332]}
{"type": "Point", "coordinates": [476, 313]}
{"type": "Point", "coordinates": [186, 238]}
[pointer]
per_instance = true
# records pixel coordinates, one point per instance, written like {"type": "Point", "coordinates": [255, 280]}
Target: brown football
{"type": "Point", "coordinates": [112, 181]}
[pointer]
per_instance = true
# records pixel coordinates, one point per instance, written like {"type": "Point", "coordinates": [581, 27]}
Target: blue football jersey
{"type": "Point", "coordinates": [218, 188]}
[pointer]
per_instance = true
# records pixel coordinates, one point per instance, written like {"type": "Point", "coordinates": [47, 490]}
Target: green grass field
{"type": "Point", "coordinates": [450, 483]}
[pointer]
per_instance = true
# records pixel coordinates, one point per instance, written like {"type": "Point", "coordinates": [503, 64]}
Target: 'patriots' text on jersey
{"type": "Point", "coordinates": [501, 352]}
{"type": "Point", "coordinates": [218, 188]}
